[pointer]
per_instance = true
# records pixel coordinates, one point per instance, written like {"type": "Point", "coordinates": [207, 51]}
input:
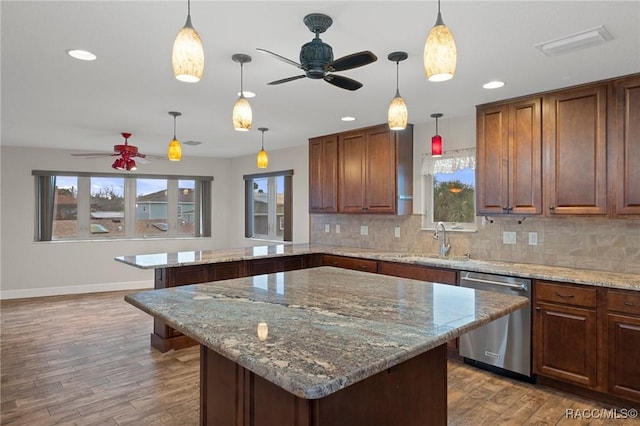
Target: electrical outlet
{"type": "Point", "coordinates": [337, 229]}
{"type": "Point", "coordinates": [327, 228]}
{"type": "Point", "coordinates": [508, 237]}
{"type": "Point", "coordinates": [396, 232]}
{"type": "Point", "coordinates": [364, 230]}
{"type": "Point", "coordinates": [533, 238]}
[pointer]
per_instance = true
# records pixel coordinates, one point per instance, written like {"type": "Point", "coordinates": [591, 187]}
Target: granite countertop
{"type": "Point", "coordinates": [524, 270]}
{"type": "Point", "coordinates": [328, 327]}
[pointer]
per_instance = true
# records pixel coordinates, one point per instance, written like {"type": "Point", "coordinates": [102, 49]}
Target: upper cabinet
{"type": "Point", "coordinates": [568, 152]}
{"type": "Point", "coordinates": [323, 174]}
{"type": "Point", "coordinates": [575, 146]}
{"type": "Point", "coordinates": [509, 157]}
{"type": "Point", "coordinates": [624, 146]}
{"type": "Point", "coordinates": [374, 171]}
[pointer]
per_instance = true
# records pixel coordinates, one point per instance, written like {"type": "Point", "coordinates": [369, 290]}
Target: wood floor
{"type": "Point", "coordinates": [86, 360]}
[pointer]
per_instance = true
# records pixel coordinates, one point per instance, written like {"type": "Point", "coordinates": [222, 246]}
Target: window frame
{"type": "Point", "coordinates": [288, 205]}
{"type": "Point", "coordinates": [44, 206]}
{"type": "Point", "coordinates": [428, 166]}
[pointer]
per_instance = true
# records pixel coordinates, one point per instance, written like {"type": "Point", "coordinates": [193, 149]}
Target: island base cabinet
{"type": "Point", "coordinates": [411, 393]}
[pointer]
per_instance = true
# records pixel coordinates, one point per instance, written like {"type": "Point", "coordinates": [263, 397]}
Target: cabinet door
{"type": "Point", "coordinates": [418, 272]}
{"type": "Point", "coordinates": [323, 174]}
{"type": "Point", "coordinates": [525, 157]}
{"type": "Point", "coordinates": [623, 334]}
{"type": "Point", "coordinates": [565, 343]}
{"type": "Point", "coordinates": [356, 263]}
{"type": "Point", "coordinates": [575, 151]}
{"type": "Point", "coordinates": [351, 172]}
{"type": "Point", "coordinates": [492, 154]}
{"type": "Point", "coordinates": [380, 171]}
{"type": "Point", "coordinates": [625, 147]}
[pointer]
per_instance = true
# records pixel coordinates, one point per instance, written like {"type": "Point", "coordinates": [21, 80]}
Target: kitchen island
{"type": "Point", "coordinates": [343, 347]}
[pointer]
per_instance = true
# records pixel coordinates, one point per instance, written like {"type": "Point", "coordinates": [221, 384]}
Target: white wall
{"type": "Point", "coordinates": [295, 158]}
{"type": "Point", "coordinates": [31, 268]}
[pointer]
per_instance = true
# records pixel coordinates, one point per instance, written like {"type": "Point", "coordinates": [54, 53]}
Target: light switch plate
{"type": "Point", "coordinates": [396, 232]}
{"type": "Point", "coordinates": [327, 228]}
{"type": "Point", "coordinates": [364, 230]}
{"type": "Point", "coordinates": [533, 238]}
{"type": "Point", "coordinates": [337, 229]}
{"type": "Point", "coordinates": [508, 237]}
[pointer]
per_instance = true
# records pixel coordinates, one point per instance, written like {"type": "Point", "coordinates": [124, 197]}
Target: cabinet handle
{"type": "Point", "coordinates": [631, 304]}
{"type": "Point", "coordinates": [552, 208]}
{"type": "Point", "coordinates": [567, 296]}
{"type": "Point", "coordinates": [537, 308]}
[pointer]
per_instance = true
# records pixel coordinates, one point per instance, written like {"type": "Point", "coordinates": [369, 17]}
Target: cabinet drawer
{"type": "Point", "coordinates": [350, 263]}
{"type": "Point", "coordinates": [623, 301]}
{"type": "Point", "coordinates": [565, 294]}
{"type": "Point", "coordinates": [416, 272]}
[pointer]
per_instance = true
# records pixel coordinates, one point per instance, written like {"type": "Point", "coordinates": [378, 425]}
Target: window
{"type": "Point", "coordinates": [449, 190]}
{"type": "Point", "coordinates": [268, 201]}
{"type": "Point", "coordinates": [85, 206]}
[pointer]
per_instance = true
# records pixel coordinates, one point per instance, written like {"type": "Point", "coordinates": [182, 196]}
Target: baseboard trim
{"type": "Point", "coordinates": [74, 289]}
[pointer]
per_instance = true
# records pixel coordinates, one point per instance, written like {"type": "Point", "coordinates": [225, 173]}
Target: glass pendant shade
{"type": "Point", "coordinates": [397, 115]}
{"type": "Point", "coordinates": [175, 150]}
{"type": "Point", "coordinates": [242, 114]}
{"type": "Point", "coordinates": [263, 160]}
{"type": "Point", "coordinates": [188, 54]}
{"type": "Point", "coordinates": [440, 55]}
{"type": "Point", "coordinates": [436, 146]}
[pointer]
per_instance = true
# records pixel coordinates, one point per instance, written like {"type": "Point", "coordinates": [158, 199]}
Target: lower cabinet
{"type": "Point", "coordinates": [356, 263]}
{"type": "Point", "coordinates": [623, 335]}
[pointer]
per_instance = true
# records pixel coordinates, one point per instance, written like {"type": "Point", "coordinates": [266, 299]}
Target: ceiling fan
{"type": "Point", "coordinates": [316, 57]}
{"type": "Point", "coordinates": [125, 152]}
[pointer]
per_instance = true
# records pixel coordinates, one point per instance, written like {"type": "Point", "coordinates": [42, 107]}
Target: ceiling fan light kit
{"type": "Point", "coordinates": [397, 115]}
{"type": "Point", "coordinates": [316, 58]}
{"type": "Point", "coordinates": [174, 152]}
{"type": "Point", "coordinates": [440, 55]}
{"type": "Point", "coordinates": [188, 54]}
{"type": "Point", "coordinates": [262, 161]}
{"type": "Point", "coordinates": [126, 152]}
{"type": "Point", "coordinates": [242, 114]}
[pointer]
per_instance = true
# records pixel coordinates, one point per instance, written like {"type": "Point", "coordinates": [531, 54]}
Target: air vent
{"type": "Point", "coordinates": [573, 42]}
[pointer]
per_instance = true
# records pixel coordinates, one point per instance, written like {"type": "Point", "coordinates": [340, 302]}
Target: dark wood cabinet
{"type": "Point", "coordinates": [575, 154]}
{"type": "Point", "coordinates": [375, 171]}
{"type": "Point", "coordinates": [565, 333]}
{"type": "Point", "coordinates": [509, 157]}
{"type": "Point", "coordinates": [276, 264]}
{"type": "Point", "coordinates": [418, 272]}
{"type": "Point", "coordinates": [624, 146]}
{"type": "Point", "coordinates": [623, 335]}
{"type": "Point", "coordinates": [323, 174]}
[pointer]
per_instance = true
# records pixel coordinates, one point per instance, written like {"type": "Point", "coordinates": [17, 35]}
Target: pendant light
{"type": "Point", "coordinates": [175, 150]}
{"type": "Point", "coordinates": [440, 52]}
{"type": "Point", "coordinates": [397, 114]}
{"type": "Point", "coordinates": [262, 161]}
{"type": "Point", "coordinates": [436, 140]}
{"type": "Point", "coordinates": [242, 115]}
{"type": "Point", "coordinates": [188, 54]}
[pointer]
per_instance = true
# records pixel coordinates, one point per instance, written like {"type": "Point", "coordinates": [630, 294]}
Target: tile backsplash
{"type": "Point", "coordinates": [576, 242]}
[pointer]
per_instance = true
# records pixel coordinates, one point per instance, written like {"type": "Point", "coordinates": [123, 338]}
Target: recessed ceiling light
{"type": "Point", "coordinates": [248, 94]}
{"type": "Point", "coordinates": [493, 84]}
{"type": "Point", "coordinates": [83, 55]}
{"type": "Point", "coordinates": [348, 118]}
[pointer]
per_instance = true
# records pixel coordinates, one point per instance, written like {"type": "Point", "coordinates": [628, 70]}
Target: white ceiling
{"type": "Point", "coordinates": [51, 100]}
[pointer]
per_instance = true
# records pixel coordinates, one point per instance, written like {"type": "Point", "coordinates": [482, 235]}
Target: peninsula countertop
{"type": "Point", "coordinates": [562, 274]}
{"type": "Point", "coordinates": [328, 327]}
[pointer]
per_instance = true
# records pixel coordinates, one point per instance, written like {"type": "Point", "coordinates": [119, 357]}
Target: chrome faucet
{"type": "Point", "coordinates": [445, 246]}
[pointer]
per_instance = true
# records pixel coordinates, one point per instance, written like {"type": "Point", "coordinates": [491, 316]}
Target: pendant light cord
{"type": "Point", "coordinates": [262, 146]}
{"type": "Point", "coordinates": [189, 7]}
{"type": "Point", "coordinates": [174, 126]}
{"type": "Point", "coordinates": [397, 77]}
{"type": "Point", "coordinates": [242, 78]}
{"type": "Point", "coordinates": [436, 125]}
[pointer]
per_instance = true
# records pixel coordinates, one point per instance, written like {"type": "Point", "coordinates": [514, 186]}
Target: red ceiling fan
{"type": "Point", "coordinates": [125, 153]}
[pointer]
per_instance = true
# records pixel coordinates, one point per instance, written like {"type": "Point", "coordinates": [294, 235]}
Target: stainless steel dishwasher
{"type": "Point", "coordinates": [504, 345]}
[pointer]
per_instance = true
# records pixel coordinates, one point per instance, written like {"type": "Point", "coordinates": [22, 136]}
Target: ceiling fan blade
{"type": "Point", "coordinates": [342, 82]}
{"type": "Point", "coordinates": [285, 80]}
{"type": "Point", "coordinates": [282, 58]}
{"type": "Point", "coordinates": [142, 160]}
{"type": "Point", "coordinates": [354, 60]}
{"type": "Point", "coordinates": [94, 154]}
